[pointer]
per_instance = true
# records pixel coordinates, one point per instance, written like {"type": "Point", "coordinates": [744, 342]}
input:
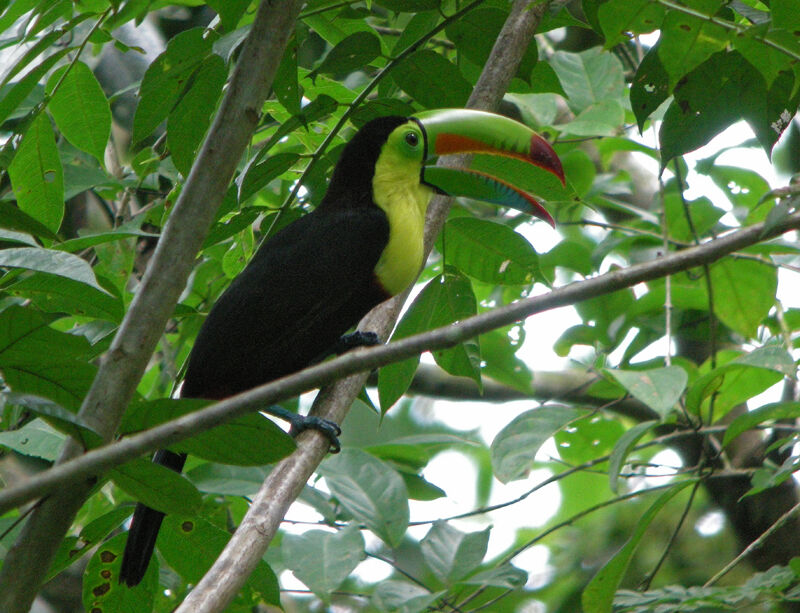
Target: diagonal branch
{"type": "Point", "coordinates": [97, 461]}
{"type": "Point", "coordinates": [123, 365]}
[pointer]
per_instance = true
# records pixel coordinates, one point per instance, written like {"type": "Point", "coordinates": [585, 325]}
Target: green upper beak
{"type": "Point", "coordinates": [466, 131]}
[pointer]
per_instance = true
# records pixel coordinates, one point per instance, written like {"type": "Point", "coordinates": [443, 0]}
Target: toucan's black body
{"type": "Point", "coordinates": [304, 288]}
{"type": "Point", "coordinates": [317, 277]}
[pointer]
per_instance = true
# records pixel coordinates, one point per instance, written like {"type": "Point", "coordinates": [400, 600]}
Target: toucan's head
{"type": "Point", "coordinates": [397, 149]}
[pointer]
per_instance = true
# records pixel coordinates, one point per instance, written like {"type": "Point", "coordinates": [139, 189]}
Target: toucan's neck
{"type": "Point", "coordinates": [351, 182]}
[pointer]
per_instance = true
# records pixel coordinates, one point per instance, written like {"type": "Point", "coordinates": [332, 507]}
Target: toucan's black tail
{"type": "Point", "coordinates": [144, 528]}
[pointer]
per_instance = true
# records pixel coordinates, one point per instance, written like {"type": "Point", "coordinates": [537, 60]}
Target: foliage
{"type": "Point", "coordinates": [87, 179]}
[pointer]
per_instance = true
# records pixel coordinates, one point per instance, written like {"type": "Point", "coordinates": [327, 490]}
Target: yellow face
{"type": "Point", "coordinates": [397, 190]}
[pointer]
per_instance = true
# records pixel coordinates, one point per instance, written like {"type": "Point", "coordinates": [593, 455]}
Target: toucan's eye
{"type": "Point", "coordinates": [412, 138]}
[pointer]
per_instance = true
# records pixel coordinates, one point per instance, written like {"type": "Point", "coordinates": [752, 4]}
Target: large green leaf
{"type": "Point", "coordinates": [52, 262]}
{"type": "Point", "coordinates": [432, 80]}
{"type": "Point", "coordinates": [686, 41]}
{"type": "Point", "coordinates": [490, 252]}
{"type": "Point", "coordinates": [190, 546]}
{"type": "Point", "coordinates": [157, 486]}
{"type": "Point", "coordinates": [371, 490]}
{"type": "Point", "coordinates": [744, 292]}
{"type": "Point", "coordinates": [323, 560]}
{"type": "Point", "coordinates": [353, 53]}
{"type": "Point", "coordinates": [650, 87]}
{"type": "Point", "coordinates": [445, 300]}
{"type": "Point", "coordinates": [55, 294]}
{"type": "Point", "coordinates": [658, 388]}
{"type": "Point", "coordinates": [452, 554]}
{"type": "Point", "coordinates": [167, 78]}
{"type": "Point", "coordinates": [188, 121]}
{"type": "Point", "coordinates": [769, 412]}
{"type": "Point", "coordinates": [36, 359]}
{"type": "Point", "coordinates": [80, 109]}
{"type": "Point", "coordinates": [36, 439]}
{"type": "Point", "coordinates": [250, 440]}
{"type": "Point", "coordinates": [37, 176]}
{"type": "Point", "coordinates": [620, 18]}
{"type": "Point", "coordinates": [589, 77]}
{"type": "Point", "coordinates": [102, 589]}
{"type": "Point", "coordinates": [599, 594]}
{"type": "Point", "coordinates": [514, 448]}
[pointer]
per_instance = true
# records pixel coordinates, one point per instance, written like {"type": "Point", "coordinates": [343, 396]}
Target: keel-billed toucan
{"type": "Point", "coordinates": [316, 278]}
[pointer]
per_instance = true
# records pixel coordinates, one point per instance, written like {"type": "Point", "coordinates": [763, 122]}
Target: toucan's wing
{"type": "Point", "coordinates": [304, 288]}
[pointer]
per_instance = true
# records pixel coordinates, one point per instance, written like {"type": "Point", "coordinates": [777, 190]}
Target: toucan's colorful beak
{"type": "Point", "coordinates": [466, 131]}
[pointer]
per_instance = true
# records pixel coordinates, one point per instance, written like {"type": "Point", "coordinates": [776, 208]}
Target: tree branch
{"type": "Point", "coordinates": [568, 386]}
{"type": "Point", "coordinates": [123, 365]}
{"type": "Point", "coordinates": [95, 462]}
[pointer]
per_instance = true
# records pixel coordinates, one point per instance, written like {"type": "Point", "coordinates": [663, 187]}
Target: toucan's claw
{"type": "Point", "coordinates": [299, 423]}
{"type": "Point", "coordinates": [356, 339]}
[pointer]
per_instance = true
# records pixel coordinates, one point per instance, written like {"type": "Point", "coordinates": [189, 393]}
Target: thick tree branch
{"type": "Point", "coordinates": [97, 461]}
{"type": "Point", "coordinates": [123, 365]}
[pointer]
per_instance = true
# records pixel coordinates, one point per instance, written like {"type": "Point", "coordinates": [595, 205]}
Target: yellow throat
{"type": "Point", "coordinates": [397, 190]}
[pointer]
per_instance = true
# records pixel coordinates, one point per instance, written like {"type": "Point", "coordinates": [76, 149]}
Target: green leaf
{"type": "Point", "coordinates": [36, 438]}
{"type": "Point", "coordinates": [686, 41]}
{"type": "Point", "coordinates": [229, 11]}
{"type": "Point", "coordinates": [589, 77]}
{"type": "Point", "coordinates": [402, 597]}
{"type": "Point", "coordinates": [445, 300]}
{"type": "Point", "coordinates": [13, 218]}
{"type": "Point", "coordinates": [432, 80]}
{"type": "Point", "coordinates": [739, 380]}
{"type": "Point", "coordinates": [36, 359]}
{"type": "Point", "coordinates": [227, 480]}
{"type": "Point", "coordinates": [102, 589]}
{"type": "Point", "coordinates": [73, 549]}
{"type": "Point", "coordinates": [250, 440]}
{"type": "Point", "coordinates": [323, 560]}
{"type": "Point", "coordinates": [80, 109]}
{"type": "Point", "coordinates": [604, 118]}
{"type": "Point", "coordinates": [514, 448]}
{"type": "Point", "coordinates": [258, 175]}
{"type": "Point", "coordinates": [623, 447]}
{"type": "Point", "coordinates": [353, 53]}
{"type": "Point", "coordinates": [490, 252]}
{"type": "Point", "coordinates": [506, 576]}
{"type": "Point", "coordinates": [167, 78]}
{"type": "Point", "coordinates": [650, 87]}
{"type": "Point", "coordinates": [371, 491]}
{"type": "Point", "coordinates": [658, 388]}
{"type": "Point", "coordinates": [55, 294]}
{"type": "Point", "coordinates": [695, 116]}
{"type": "Point", "coordinates": [57, 416]}
{"type": "Point", "coordinates": [769, 412]}
{"type": "Point", "coordinates": [15, 94]}
{"type": "Point", "coordinates": [475, 33]}
{"type": "Point", "coordinates": [50, 261]}
{"type": "Point", "coordinates": [744, 292]}
{"type": "Point", "coordinates": [156, 486]}
{"type": "Point", "coordinates": [620, 18]}
{"type": "Point", "coordinates": [188, 121]}
{"type": "Point", "coordinates": [190, 546]}
{"type": "Point", "coordinates": [285, 85]}
{"type": "Point", "coordinates": [36, 175]}
{"type": "Point", "coordinates": [598, 596]}
{"type": "Point", "coordinates": [452, 554]}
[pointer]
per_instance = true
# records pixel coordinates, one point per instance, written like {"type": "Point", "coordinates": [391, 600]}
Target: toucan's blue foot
{"type": "Point", "coordinates": [299, 423]}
